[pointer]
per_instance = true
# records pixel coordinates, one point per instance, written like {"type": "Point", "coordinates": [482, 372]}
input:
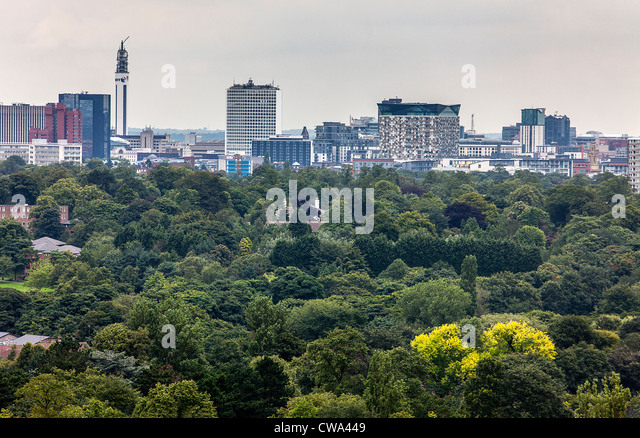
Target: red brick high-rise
{"type": "Point", "coordinates": [60, 124]}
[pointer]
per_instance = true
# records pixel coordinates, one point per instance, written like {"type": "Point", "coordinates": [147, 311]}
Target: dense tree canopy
{"type": "Point", "coordinates": [476, 294]}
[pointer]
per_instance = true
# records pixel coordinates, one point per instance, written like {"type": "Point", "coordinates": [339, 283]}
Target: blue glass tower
{"type": "Point", "coordinates": [96, 122]}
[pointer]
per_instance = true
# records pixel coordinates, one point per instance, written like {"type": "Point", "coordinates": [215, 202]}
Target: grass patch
{"type": "Point", "coordinates": [21, 286]}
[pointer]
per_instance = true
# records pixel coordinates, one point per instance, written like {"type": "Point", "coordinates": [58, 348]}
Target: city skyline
{"type": "Point", "coordinates": [573, 58]}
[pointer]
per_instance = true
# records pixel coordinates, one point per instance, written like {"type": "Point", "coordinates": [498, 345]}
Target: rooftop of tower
{"type": "Point", "coordinates": [395, 107]}
{"type": "Point", "coordinates": [250, 84]}
{"type": "Point", "coordinates": [122, 64]}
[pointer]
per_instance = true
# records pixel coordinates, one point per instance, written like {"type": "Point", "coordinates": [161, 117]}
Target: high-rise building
{"type": "Point", "coordinates": [60, 124]}
{"type": "Point", "coordinates": [122, 83]}
{"type": "Point", "coordinates": [16, 120]}
{"type": "Point", "coordinates": [532, 130]}
{"type": "Point", "coordinates": [96, 121]}
{"type": "Point", "coordinates": [331, 138]}
{"type": "Point", "coordinates": [254, 112]}
{"type": "Point", "coordinates": [511, 133]}
{"type": "Point", "coordinates": [418, 131]}
{"type": "Point", "coordinates": [634, 164]}
{"type": "Point", "coordinates": [557, 130]}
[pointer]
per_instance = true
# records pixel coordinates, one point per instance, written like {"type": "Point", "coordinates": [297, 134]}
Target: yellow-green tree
{"type": "Point", "coordinates": [245, 246]}
{"type": "Point", "coordinates": [517, 337]}
{"type": "Point", "coordinates": [443, 347]}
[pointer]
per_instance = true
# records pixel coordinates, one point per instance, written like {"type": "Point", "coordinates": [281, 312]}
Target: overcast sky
{"type": "Point", "coordinates": [334, 58]}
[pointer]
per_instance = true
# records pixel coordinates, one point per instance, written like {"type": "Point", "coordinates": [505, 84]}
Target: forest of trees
{"type": "Point", "coordinates": [279, 321]}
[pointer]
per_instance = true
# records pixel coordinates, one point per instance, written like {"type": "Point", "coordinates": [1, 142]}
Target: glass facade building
{"type": "Point", "coordinates": [281, 149]}
{"type": "Point", "coordinates": [557, 129]}
{"type": "Point", "coordinates": [96, 122]}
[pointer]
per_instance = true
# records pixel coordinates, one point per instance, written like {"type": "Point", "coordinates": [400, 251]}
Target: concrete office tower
{"type": "Point", "coordinates": [532, 130]}
{"type": "Point", "coordinates": [122, 83]}
{"type": "Point", "coordinates": [16, 120]}
{"type": "Point", "coordinates": [96, 122]}
{"type": "Point", "coordinates": [254, 112]}
{"type": "Point", "coordinates": [418, 131]}
{"type": "Point", "coordinates": [634, 164]}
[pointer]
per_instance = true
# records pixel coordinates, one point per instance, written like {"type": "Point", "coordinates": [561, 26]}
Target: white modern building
{"type": "Point", "coordinates": [42, 153]}
{"type": "Point", "coordinates": [19, 149]}
{"type": "Point", "coordinates": [254, 112]}
{"type": "Point", "coordinates": [17, 119]}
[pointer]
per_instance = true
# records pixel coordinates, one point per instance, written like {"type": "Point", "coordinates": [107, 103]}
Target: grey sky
{"type": "Point", "coordinates": [334, 58]}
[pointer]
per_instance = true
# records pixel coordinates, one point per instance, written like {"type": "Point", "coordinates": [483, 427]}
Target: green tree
{"type": "Point", "coordinates": [292, 282]}
{"type": "Point", "coordinates": [325, 405]}
{"type": "Point", "coordinates": [266, 321]}
{"type": "Point", "coordinates": [121, 339]}
{"type": "Point", "coordinates": [531, 236]}
{"type": "Point", "coordinates": [385, 392]}
{"type": "Point", "coordinates": [176, 400]}
{"type": "Point", "coordinates": [15, 243]}
{"type": "Point", "coordinates": [433, 303]}
{"type": "Point", "coordinates": [582, 362]}
{"type": "Point", "coordinates": [338, 361]}
{"type": "Point", "coordinates": [47, 224]}
{"type": "Point", "coordinates": [515, 386]}
{"type": "Point", "coordinates": [602, 398]}
{"type": "Point", "coordinates": [468, 275]}
{"type": "Point", "coordinates": [46, 396]}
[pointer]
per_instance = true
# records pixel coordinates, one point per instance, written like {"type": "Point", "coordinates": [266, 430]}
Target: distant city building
{"type": "Point", "coordinates": [192, 138]}
{"type": "Point", "coordinates": [122, 85]}
{"type": "Point", "coordinates": [201, 148]}
{"type": "Point", "coordinates": [294, 149]}
{"type": "Point", "coordinates": [418, 131]}
{"type": "Point", "coordinates": [365, 125]}
{"type": "Point", "coordinates": [16, 120]}
{"type": "Point", "coordinates": [254, 112]}
{"type": "Point", "coordinates": [21, 213]}
{"type": "Point", "coordinates": [634, 164]}
{"type": "Point", "coordinates": [14, 149]}
{"type": "Point", "coordinates": [46, 245]}
{"type": "Point", "coordinates": [557, 130]}
{"type": "Point", "coordinates": [16, 344]}
{"type": "Point", "coordinates": [616, 166]}
{"type": "Point", "coordinates": [61, 123]}
{"type": "Point", "coordinates": [43, 153]}
{"type": "Point", "coordinates": [486, 148]}
{"type": "Point", "coordinates": [357, 164]}
{"type": "Point", "coordinates": [511, 133]}
{"type": "Point", "coordinates": [331, 138]}
{"type": "Point", "coordinates": [239, 164]}
{"type": "Point", "coordinates": [418, 166]}
{"type": "Point", "coordinates": [148, 140]}
{"type": "Point", "coordinates": [96, 121]}
{"type": "Point", "coordinates": [532, 130]}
